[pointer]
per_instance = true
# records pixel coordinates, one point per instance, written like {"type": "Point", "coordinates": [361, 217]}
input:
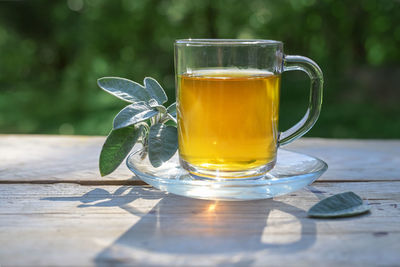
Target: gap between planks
{"type": "Point", "coordinates": [141, 183]}
{"type": "Point", "coordinates": [79, 182]}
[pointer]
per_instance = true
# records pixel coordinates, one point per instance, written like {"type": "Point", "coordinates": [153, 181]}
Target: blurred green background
{"type": "Point", "coordinates": [52, 52]}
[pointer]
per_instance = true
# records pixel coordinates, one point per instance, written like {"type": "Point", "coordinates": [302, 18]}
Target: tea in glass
{"type": "Point", "coordinates": [228, 118]}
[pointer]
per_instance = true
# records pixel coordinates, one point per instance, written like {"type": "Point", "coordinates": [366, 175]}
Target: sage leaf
{"type": "Point", "coordinates": [340, 205]}
{"type": "Point", "coordinates": [134, 113]}
{"type": "Point", "coordinates": [161, 109]}
{"type": "Point", "coordinates": [155, 90]}
{"type": "Point", "coordinates": [172, 110]}
{"type": "Point", "coordinates": [163, 143]}
{"type": "Point", "coordinates": [124, 89]}
{"type": "Point", "coordinates": [153, 103]}
{"type": "Point", "coordinates": [171, 122]}
{"type": "Point", "coordinates": [117, 146]}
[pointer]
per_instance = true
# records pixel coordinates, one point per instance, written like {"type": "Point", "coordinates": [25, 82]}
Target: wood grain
{"type": "Point", "coordinates": [67, 224]}
{"type": "Point", "coordinates": [354, 160]}
{"type": "Point", "coordinates": [55, 209]}
{"type": "Point", "coordinates": [74, 159]}
{"type": "Point", "coordinates": [49, 159]}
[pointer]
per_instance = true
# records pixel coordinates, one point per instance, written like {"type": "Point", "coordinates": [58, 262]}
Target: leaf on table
{"type": "Point", "coordinates": [124, 89]}
{"type": "Point", "coordinates": [155, 90]}
{"type": "Point", "coordinates": [117, 146]}
{"type": "Point", "coordinates": [340, 205]}
{"type": "Point", "coordinates": [134, 113]}
{"type": "Point", "coordinates": [163, 143]}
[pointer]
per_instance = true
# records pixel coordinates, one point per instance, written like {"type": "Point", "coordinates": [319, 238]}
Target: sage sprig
{"type": "Point", "coordinates": [144, 120]}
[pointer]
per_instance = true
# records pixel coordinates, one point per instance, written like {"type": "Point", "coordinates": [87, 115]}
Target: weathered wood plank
{"type": "Point", "coordinates": [55, 158]}
{"type": "Point", "coordinates": [349, 159]}
{"type": "Point", "coordinates": [67, 224]}
{"type": "Point", "coordinates": [48, 159]}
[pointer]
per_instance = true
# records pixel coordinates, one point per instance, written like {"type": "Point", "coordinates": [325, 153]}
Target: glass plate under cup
{"type": "Point", "coordinates": [292, 172]}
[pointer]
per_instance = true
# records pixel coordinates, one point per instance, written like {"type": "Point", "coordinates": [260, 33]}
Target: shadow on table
{"type": "Point", "coordinates": [178, 225]}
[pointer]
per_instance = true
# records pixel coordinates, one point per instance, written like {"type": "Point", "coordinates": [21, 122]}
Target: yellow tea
{"type": "Point", "coordinates": [228, 118]}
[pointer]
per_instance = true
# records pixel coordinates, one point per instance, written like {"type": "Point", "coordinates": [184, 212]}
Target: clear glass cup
{"type": "Point", "coordinates": [228, 105]}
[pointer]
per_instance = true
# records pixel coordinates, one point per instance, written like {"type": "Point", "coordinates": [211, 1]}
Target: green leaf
{"type": "Point", "coordinates": [340, 205]}
{"type": "Point", "coordinates": [153, 103]}
{"type": "Point", "coordinates": [124, 89]}
{"type": "Point", "coordinates": [161, 109]}
{"type": "Point", "coordinates": [172, 110]}
{"type": "Point", "coordinates": [117, 146]}
{"type": "Point", "coordinates": [163, 143]}
{"type": "Point", "coordinates": [171, 122]}
{"type": "Point", "coordinates": [132, 114]}
{"type": "Point", "coordinates": [155, 90]}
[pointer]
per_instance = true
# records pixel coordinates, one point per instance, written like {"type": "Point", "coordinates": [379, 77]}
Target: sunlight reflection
{"type": "Point", "coordinates": [212, 207]}
{"type": "Point", "coordinates": [282, 228]}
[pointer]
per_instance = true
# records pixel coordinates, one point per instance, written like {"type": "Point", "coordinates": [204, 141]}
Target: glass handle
{"type": "Point", "coordinates": [314, 107]}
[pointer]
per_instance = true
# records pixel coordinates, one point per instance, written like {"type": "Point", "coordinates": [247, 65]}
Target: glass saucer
{"type": "Point", "coordinates": [292, 172]}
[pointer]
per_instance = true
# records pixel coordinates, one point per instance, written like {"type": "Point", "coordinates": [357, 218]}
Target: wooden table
{"type": "Point", "coordinates": [55, 209]}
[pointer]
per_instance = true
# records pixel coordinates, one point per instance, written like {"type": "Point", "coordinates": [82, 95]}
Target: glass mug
{"type": "Point", "coordinates": [228, 105]}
